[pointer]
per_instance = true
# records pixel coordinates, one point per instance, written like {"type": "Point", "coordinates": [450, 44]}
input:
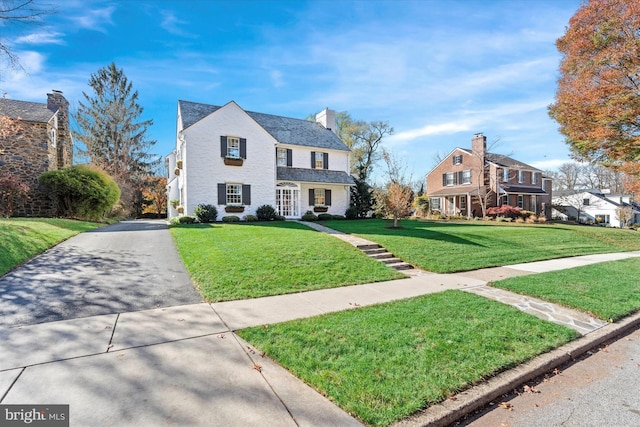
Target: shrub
{"type": "Point", "coordinates": [526, 214]}
{"type": "Point", "coordinates": [174, 221]}
{"type": "Point", "coordinates": [324, 217]}
{"type": "Point", "coordinates": [250, 218]}
{"type": "Point", "coordinates": [309, 216]}
{"type": "Point", "coordinates": [206, 213]}
{"type": "Point", "coordinates": [266, 213]}
{"type": "Point", "coordinates": [81, 191]}
{"type": "Point", "coordinates": [186, 219]}
{"type": "Point", "coordinates": [280, 218]}
{"type": "Point", "coordinates": [542, 219]}
{"type": "Point", "coordinates": [231, 218]}
{"type": "Point", "coordinates": [351, 212]}
{"type": "Point", "coordinates": [520, 220]}
{"type": "Point", "coordinates": [13, 194]}
{"type": "Point", "coordinates": [504, 211]}
{"type": "Point", "coordinates": [338, 217]}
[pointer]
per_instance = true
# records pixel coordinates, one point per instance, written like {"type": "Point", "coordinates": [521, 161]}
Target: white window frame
{"type": "Point", "coordinates": [521, 177]}
{"type": "Point", "coordinates": [505, 200]}
{"type": "Point", "coordinates": [319, 197]}
{"type": "Point", "coordinates": [505, 175]}
{"type": "Point", "coordinates": [319, 160]}
{"type": "Point", "coordinates": [233, 147]}
{"type": "Point", "coordinates": [457, 159]}
{"type": "Point", "coordinates": [234, 194]}
{"type": "Point", "coordinates": [520, 201]}
{"type": "Point", "coordinates": [450, 178]}
{"type": "Point", "coordinates": [463, 202]}
{"type": "Point", "coordinates": [535, 177]}
{"type": "Point", "coordinates": [435, 203]}
{"type": "Point", "coordinates": [281, 156]}
{"type": "Point", "coordinates": [466, 176]}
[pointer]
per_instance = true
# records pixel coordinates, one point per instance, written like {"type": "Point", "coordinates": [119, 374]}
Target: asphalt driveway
{"type": "Point", "coordinates": [128, 266]}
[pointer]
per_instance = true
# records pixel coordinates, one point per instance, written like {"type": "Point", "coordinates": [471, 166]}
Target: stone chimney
{"type": "Point", "coordinates": [327, 118]}
{"type": "Point", "coordinates": [56, 102]}
{"type": "Point", "coordinates": [479, 145]}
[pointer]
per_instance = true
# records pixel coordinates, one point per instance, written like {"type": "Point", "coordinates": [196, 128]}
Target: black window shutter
{"type": "Point", "coordinates": [243, 148]}
{"type": "Point", "coordinates": [223, 146]}
{"type": "Point", "coordinates": [313, 160]}
{"type": "Point", "coordinates": [327, 197]}
{"type": "Point", "coordinates": [312, 197]}
{"type": "Point", "coordinates": [325, 160]}
{"type": "Point", "coordinates": [246, 194]}
{"type": "Point", "coordinates": [444, 179]}
{"type": "Point", "coordinates": [222, 194]}
{"type": "Point", "coordinates": [289, 157]}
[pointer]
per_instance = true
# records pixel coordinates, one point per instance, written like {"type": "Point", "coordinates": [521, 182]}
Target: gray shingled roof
{"type": "Point", "coordinates": [506, 161]}
{"type": "Point", "coordinates": [285, 130]}
{"type": "Point", "coordinates": [25, 110]}
{"type": "Point", "coordinates": [313, 175]}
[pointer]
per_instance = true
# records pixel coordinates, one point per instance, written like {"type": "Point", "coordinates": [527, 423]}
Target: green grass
{"type": "Point", "coordinates": [608, 290]}
{"type": "Point", "coordinates": [383, 363]}
{"type": "Point", "coordinates": [24, 238]}
{"type": "Point", "coordinates": [237, 261]}
{"type": "Point", "coordinates": [445, 247]}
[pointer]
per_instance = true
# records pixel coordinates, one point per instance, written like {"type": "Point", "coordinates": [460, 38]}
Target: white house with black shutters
{"type": "Point", "coordinates": [239, 160]}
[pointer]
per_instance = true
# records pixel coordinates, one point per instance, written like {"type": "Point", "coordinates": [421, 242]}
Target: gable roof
{"type": "Point", "coordinates": [505, 161]}
{"type": "Point", "coordinates": [25, 110]}
{"type": "Point", "coordinates": [285, 130]}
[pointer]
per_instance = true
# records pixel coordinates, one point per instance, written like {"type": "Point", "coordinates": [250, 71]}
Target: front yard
{"type": "Point", "coordinates": [444, 247]}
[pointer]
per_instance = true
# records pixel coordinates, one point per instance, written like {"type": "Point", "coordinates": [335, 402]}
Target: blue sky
{"type": "Point", "coordinates": [437, 71]}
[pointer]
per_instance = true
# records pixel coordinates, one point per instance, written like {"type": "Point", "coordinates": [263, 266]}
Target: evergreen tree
{"type": "Point", "coordinates": [109, 125]}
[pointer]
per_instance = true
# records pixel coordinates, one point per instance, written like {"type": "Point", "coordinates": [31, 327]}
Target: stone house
{"type": "Point", "coordinates": [458, 184]}
{"type": "Point", "coordinates": [238, 160]}
{"type": "Point", "coordinates": [39, 142]}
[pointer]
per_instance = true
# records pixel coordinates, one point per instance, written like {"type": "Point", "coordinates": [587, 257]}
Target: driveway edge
{"type": "Point", "coordinates": [449, 411]}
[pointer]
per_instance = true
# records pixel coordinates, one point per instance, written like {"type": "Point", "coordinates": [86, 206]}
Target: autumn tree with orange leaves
{"type": "Point", "coordinates": [598, 97]}
{"type": "Point", "coordinates": [154, 193]}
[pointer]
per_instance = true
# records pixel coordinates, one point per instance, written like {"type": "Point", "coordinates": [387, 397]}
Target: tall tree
{"type": "Point", "coordinates": [110, 127]}
{"type": "Point", "coordinates": [598, 97]}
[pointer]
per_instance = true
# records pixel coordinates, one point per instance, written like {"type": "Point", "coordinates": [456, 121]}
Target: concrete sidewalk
{"type": "Point", "coordinates": [184, 365]}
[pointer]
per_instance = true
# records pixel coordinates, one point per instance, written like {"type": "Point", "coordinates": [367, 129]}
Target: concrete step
{"type": "Point", "coordinates": [382, 255]}
{"type": "Point", "coordinates": [392, 260]}
{"type": "Point", "coordinates": [401, 266]}
{"type": "Point", "coordinates": [367, 247]}
{"type": "Point", "coordinates": [374, 251]}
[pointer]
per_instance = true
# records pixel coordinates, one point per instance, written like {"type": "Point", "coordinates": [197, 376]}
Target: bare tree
{"type": "Point", "coordinates": [19, 12]}
{"type": "Point", "coordinates": [396, 199]}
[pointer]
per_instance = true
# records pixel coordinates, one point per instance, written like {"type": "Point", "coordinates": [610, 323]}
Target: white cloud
{"type": "Point", "coordinates": [551, 164]}
{"type": "Point", "coordinates": [42, 37]}
{"type": "Point", "coordinates": [96, 19]}
{"type": "Point", "coordinates": [172, 24]}
{"type": "Point", "coordinates": [436, 129]}
{"type": "Point", "coordinates": [277, 78]}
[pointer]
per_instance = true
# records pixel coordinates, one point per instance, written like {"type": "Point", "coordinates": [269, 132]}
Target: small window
{"type": "Point", "coordinates": [233, 147]}
{"type": "Point", "coordinates": [521, 177]}
{"type": "Point", "coordinates": [535, 178]}
{"type": "Point", "coordinates": [435, 203]}
{"type": "Point", "coordinates": [319, 197]}
{"type": "Point", "coordinates": [450, 178]}
{"type": "Point", "coordinates": [234, 194]}
{"type": "Point", "coordinates": [520, 201]}
{"type": "Point", "coordinates": [457, 160]}
{"type": "Point", "coordinates": [282, 156]}
{"type": "Point", "coordinates": [505, 175]}
{"type": "Point", "coordinates": [463, 202]}
{"type": "Point", "coordinates": [319, 160]}
{"type": "Point", "coordinates": [585, 202]}
{"type": "Point", "coordinates": [505, 199]}
{"type": "Point", "coordinates": [466, 177]}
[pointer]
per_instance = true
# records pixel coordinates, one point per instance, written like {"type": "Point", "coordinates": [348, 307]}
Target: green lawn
{"type": "Point", "coordinates": [237, 261]}
{"type": "Point", "coordinates": [24, 238]}
{"type": "Point", "coordinates": [609, 290]}
{"type": "Point", "coordinates": [445, 247]}
{"type": "Point", "coordinates": [383, 363]}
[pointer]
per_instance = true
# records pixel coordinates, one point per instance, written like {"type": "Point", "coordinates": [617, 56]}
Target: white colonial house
{"type": "Point", "coordinates": [239, 160]}
{"type": "Point", "coordinates": [597, 207]}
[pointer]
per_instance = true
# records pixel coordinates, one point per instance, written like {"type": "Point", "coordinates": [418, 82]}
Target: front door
{"type": "Point", "coordinates": [287, 200]}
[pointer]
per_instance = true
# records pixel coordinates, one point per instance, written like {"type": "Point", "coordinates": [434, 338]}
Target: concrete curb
{"type": "Point", "coordinates": [449, 411]}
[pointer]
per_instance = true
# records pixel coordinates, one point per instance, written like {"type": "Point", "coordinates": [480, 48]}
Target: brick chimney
{"type": "Point", "coordinates": [479, 145]}
{"type": "Point", "coordinates": [327, 118]}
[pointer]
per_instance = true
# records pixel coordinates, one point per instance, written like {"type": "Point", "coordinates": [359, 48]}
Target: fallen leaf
{"type": "Point", "coordinates": [556, 371]}
{"type": "Point", "coordinates": [257, 367]}
{"type": "Point", "coordinates": [220, 336]}
{"type": "Point", "coordinates": [506, 405]}
{"type": "Point", "coordinates": [262, 354]}
{"type": "Point", "coordinates": [528, 389]}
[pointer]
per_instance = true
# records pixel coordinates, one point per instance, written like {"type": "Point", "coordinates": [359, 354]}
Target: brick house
{"type": "Point", "coordinates": [238, 160]}
{"type": "Point", "coordinates": [458, 184]}
{"type": "Point", "coordinates": [42, 142]}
